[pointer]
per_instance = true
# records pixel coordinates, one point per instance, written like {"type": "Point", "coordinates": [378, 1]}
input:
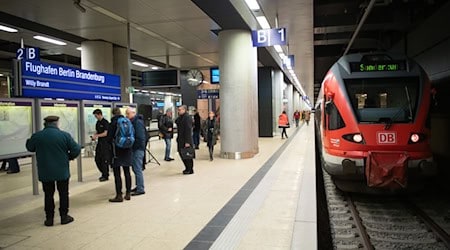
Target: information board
{"type": "Point", "coordinates": [68, 113]}
{"type": "Point", "coordinates": [45, 80]}
{"type": "Point", "coordinates": [90, 120]}
{"type": "Point", "coordinates": [16, 126]}
{"type": "Point", "coordinates": [377, 66]}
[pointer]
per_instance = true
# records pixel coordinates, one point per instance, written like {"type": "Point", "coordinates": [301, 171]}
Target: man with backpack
{"type": "Point", "coordinates": [138, 149]}
{"type": "Point", "coordinates": [121, 133]}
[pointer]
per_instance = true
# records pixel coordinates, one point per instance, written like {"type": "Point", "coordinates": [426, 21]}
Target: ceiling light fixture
{"type": "Point", "coordinates": [155, 68]}
{"type": "Point", "coordinates": [252, 4]}
{"type": "Point", "coordinates": [140, 64]}
{"type": "Point", "coordinates": [110, 14]}
{"type": "Point", "coordinates": [49, 40]}
{"type": "Point", "coordinates": [79, 48]}
{"type": "Point", "coordinates": [8, 29]}
{"type": "Point", "coordinates": [263, 22]}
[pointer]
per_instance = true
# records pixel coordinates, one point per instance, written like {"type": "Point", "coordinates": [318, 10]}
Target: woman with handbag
{"type": "Point", "coordinates": [211, 132]}
{"type": "Point", "coordinates": [283, 123]}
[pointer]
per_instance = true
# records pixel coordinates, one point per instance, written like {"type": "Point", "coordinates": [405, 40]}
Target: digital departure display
{"type": "Point", "coordinates": [215, 75]}
{"type": "Point", "coordinates": [377, 66]}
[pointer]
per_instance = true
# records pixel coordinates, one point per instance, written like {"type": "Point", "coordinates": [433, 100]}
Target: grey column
{"type": "Point", "coordinates": [290, 104]}
{"type": "Point", "coordinates": [277, 88]}
{"type": "Point", "coordinates": [296, 100]}
{"type": "Point", "coordinates": [238, 94]}
{"type": "Point", "coordinates": [97, 56]}
{"type": "Point", "coordinates": [122, 68]}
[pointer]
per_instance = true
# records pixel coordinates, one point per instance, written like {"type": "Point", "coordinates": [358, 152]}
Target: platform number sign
{"type": "Point", "coordinates": [269, 37]}
{"type": "Point", "coordinates": [31, 54]}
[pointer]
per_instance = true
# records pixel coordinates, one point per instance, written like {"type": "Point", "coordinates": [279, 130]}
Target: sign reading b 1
{"type": "Point", "coordinates": [269, 37]}
{"type": "Point", "coordinates": [31, 54]}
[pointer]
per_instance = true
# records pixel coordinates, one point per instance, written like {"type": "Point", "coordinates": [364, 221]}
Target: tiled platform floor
{"type": "Point", "coordinates": [175, 207]}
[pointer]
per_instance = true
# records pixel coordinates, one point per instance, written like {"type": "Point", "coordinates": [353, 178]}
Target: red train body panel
{"type": "Point", "coordinates": [371, 118]}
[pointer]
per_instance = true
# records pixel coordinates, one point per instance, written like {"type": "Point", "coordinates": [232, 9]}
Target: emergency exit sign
{"type": "Point", "coordinates": [269, 37]}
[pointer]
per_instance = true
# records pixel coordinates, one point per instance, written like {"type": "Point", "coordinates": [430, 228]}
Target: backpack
{"type": "Point", "coordinates": [124, 133]}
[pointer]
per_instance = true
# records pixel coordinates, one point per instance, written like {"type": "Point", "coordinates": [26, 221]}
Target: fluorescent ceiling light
{"type": "Point", "coordinates": [1, 74]}
{"type": "Point", "coordinates": [263, 22]}
{"type": "Point", "coordinates": [49, 40]}
{"type": "Point", "coordinates": [110, 14]}
{"type": "Point", "coordinates": [278, 48]}
{"type": "Point", "coordinates": [140, 64]}
{"type": "Point", "coordinates": [143, 90]}
{"type": "Point", "coordinates": [155, 68]}
{"type": "Point", "coordinates": [79, 48]}
{"type": "Point", "coordinates": [7, 29]}
{"type": "Point", "coordinates": [252, 4]}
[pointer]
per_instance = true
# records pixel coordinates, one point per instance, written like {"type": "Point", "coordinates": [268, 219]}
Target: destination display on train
{"type": "Point", "coordinates": [45, 80]}
{"type": "Point", "coordinates": [377, 66]}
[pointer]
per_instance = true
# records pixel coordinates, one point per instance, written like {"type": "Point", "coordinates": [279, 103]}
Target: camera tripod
{"type": "Point", "coordinates": [149, 157]}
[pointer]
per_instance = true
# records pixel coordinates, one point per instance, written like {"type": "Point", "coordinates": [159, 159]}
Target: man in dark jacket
{"type": "Point", "coordinates": [103, 151]}
{"type": "Point", "coordinates": [54, 148]}
{"type": "Point", "coordinates": [165, 126]}
{"type": "Point", "coordinates": [196, 129]}
{"type": "Point", "coordinates": [122, 157]}
{"type": "Point", "coordinates": [184, 138]}
{"type": "Point", "coordinates": [138, 149]}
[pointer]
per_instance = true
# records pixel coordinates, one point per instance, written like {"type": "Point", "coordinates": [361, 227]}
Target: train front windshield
{"type": "Point", "coordinates": [384, 100]}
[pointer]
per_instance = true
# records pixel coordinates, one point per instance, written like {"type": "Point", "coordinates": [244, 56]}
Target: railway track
{"type": "Point", "coordinates": [377, 222]}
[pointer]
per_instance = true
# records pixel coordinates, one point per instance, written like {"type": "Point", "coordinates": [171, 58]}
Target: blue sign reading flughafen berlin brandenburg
{"type": "Point", "coordinates": [269, 37]}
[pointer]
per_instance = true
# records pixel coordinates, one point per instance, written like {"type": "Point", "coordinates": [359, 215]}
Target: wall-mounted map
{"type": "Point", "coordinates": [90, 120]}
{"type": "Point", "coordinates": [16, 125]}
{"type": "Point", "coordinates": [68, 116]}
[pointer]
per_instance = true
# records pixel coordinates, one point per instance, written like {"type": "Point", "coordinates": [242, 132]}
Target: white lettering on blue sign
{"type": "Point", "coordinates": [269, 37]}
{"type": "Point", "coordinates": [40, 69]}
{"type": "Point", "coordinates": [27, 53]}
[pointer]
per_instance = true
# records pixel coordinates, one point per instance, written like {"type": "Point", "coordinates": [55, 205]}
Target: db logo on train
{"type": "Point", "coordinates": [386, 137]}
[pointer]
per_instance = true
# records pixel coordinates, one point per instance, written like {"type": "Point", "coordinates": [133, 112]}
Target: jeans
{"type": "Point", "coordinates": [168, 146]}
{"type": "Point", "coordinates": [138, 156]}
{"type": "Point", "coordinates": [196, 138]}
{"type": "Point", "coordinates": [49, 190]}
{"type": "Point", "coordinates": [118, 179]}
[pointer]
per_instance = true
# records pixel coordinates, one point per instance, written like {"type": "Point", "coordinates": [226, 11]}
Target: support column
{"type": "Point", "coordinates": [277, 88]}
{"type": "Point", "coordinates": [168, 103]}
{"type": "Point", "coordinates": [238, 94]}
{"type": "Point", "coordinates": [122, 68]}
{"type": "Point", "coordinates": [296, 100]}
{"type": "Point", "coordinates": [97, 56]}
{"type": "Point", "coordinates": [290, 103]}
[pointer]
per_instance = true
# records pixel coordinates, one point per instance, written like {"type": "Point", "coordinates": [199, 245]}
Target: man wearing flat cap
{"type": "Point", "coordinates": [54, 149]}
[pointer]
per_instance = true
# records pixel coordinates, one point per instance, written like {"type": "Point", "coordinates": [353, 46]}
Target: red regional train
{"type": "Point", "coordinates": [373, 127]}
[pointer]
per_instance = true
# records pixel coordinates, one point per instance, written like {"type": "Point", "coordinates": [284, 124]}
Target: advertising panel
{"type": "Point", "coordinates": [16, 125]}
{"type": "Point", "coordinates": [45, 80]}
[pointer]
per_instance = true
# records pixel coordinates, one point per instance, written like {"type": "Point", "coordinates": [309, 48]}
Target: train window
{"type": "Point", "coordinates": [384, 100]}
{"type": "Point", "coordinates": [335, 120]}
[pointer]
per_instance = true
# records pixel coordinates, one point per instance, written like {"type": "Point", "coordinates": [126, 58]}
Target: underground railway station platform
{"type": "Point", "coordinates": [266, 202]}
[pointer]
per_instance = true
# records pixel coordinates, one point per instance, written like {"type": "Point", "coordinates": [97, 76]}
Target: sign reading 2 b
{"type": "Point", "coordinates": [269, 37]}
{"type": "Point", "coordinates": [31, 54]}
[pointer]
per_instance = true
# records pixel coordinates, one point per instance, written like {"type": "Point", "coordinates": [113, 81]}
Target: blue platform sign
{"type": "Point", "coordinates": [208, 94]}
{"type": "Point", "coordinates": [269, 37]}
{"type": "Point", "coordinates": [28, 54]}
{"type": "Point", "coordinates": [44, 80]}
{"type": "Point", "coordinates": [289, 62]}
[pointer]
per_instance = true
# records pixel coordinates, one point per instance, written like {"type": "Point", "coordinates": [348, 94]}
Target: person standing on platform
{"type": "Point", "coordinates": [54, 149]}
{"type": "Point", "coordinates": [211, 131]}
{"type": "Point", "coordinates": [307, 117]}
{"type": "Point", "coordinates": [283, 123]}
{"type": "Point", "coordinates": [13, 166]}
{"type": "Point", "coordinates": [296, 117]}
{"type": "Point", "coordinates": [165, 126]}
{"type": "Point", "coordinates": [103, 151]}
{"type": "Point", "coordinates": [184, 138]}
{"type": "Point", "coordinates": [138, 149]}
{"type": "Point", "coordinates": [196, 129]}
{"type": "Point", "coordinates": [122, 157]}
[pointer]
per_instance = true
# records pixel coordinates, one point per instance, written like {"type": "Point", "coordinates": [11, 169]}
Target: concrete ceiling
{"type": "Point", "coordinates": [177, 28]}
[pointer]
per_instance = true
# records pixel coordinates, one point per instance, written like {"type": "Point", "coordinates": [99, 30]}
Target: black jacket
{"type": "Point", "coordinates": [197, 124]}
{"type": "Point", "coordinates": [184, 130]}
{"type": "Point", "coordinates": [165, 123]}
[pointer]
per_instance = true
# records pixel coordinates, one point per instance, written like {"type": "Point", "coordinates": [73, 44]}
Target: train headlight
{"type": "Point", "coordinates": [416, 138]}
{"type": "Point", "coordinates": [356, 138]}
